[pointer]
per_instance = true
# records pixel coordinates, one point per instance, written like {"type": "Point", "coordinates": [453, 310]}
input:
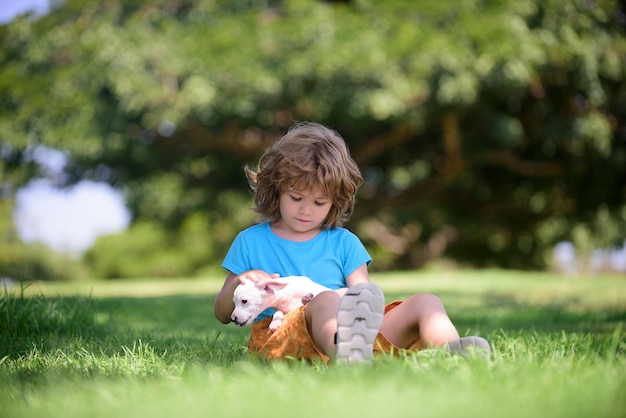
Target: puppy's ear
{"type": "Point", "coordinates": [270, 286]}
{"type": "Point", "coordinates": [268, 289]}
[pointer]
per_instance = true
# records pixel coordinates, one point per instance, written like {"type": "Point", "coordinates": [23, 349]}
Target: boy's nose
{"type": "Point", "coordinates": [304, 208]}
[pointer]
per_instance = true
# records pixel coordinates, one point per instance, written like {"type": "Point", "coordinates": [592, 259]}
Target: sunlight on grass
{"type": "Point", "coordinates": [153, 348]}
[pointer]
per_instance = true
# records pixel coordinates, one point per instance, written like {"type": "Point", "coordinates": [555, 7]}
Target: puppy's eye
{"type": "Point", "coordinates": [244, 301]}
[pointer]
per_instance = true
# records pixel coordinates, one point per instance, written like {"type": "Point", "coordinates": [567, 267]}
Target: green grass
{"type": "Point", "coordinates": [153, 348]}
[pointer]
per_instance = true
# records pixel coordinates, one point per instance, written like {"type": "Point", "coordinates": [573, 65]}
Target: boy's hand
{"type": "Point", "coordinates": [257, 276]}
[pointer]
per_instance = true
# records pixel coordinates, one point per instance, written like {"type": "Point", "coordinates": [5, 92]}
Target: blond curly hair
{"type": "Point", "coordinates": [308, 155]}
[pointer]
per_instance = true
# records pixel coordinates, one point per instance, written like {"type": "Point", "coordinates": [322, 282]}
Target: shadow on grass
{"type": "Point", "coordinates": [186, 322]}
{"type": "Point", "coordinates": [39, 324]}
{"type": "Point", "coordinates": [492, 312]}
{"type": "Point", "coordinates": [189, 317]}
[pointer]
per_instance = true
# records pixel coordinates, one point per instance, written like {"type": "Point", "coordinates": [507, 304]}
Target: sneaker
{"type": "Point", "coordinates": [359, 318]}
{"type": "Point", "coordinates": [469, 346]}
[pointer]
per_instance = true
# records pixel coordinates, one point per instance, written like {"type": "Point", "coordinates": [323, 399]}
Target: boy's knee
{"type": "Point", "coordinates": [322, 305]}
{"type": "Point", "coordinates": [323, 301]}
{"type": "Point", "coordinates": [426, 300]}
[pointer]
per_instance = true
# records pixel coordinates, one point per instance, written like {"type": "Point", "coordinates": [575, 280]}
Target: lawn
{"type": "Point", "coordinates": [150, 348]}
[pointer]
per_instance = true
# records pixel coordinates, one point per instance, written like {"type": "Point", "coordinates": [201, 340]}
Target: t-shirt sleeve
{"type": "Point", "coordinates": [237, 260]}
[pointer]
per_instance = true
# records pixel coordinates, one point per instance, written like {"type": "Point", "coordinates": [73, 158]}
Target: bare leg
{"type": "Point", "coordinates": [423, 315]}
{"type": "Point", "coordinates": [321, 320]}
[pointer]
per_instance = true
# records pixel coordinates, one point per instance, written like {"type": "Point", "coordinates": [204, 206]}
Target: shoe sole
{"type": "Point", "coordinates": [359, 318]}
{"type": "Point", "coordinates": [469, 346]}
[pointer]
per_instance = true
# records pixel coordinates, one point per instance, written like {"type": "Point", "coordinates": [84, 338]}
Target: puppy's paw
{"type": "Point", "coordinates": [274, 325]}
{"type": "Point", "coordinates": [307, 298]}
{"type": "Point", "coordinates": [277, 320]}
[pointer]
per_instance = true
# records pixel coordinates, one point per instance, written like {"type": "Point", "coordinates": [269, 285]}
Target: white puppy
{"type": "Point", "coordinates": [284, 294]}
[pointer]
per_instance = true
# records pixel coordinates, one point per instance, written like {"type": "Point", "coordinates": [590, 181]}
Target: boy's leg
{"type": "Point", "coordinates": [425, 316]}
{"type": "Point", "coordinates": [321, 319]}
{"type": "Point", "coordinates": [359, 318]}
{"type": "Point", "coordinates": [345, 328]}
{"type": "Point", "coordinates": [421, 315]}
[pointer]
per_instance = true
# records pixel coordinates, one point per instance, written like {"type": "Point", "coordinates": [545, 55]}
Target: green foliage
{"type": "Point", "coordinates": [476, 124]}
{"type": "Point", "coordinates": [19, 261]}
{"type": "Point", "coordinates": [144, 250]}
{"type": "Point", "coordinates": [148, 249]}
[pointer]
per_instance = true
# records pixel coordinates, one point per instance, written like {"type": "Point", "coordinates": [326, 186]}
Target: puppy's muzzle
{"type": "Point", "coordinates": [239, 322]}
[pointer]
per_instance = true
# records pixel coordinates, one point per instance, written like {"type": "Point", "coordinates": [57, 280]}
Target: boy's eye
{"type": "Point", "coordinates": [316, 202]}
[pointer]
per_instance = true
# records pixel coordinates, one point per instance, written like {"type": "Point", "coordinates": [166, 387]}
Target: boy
{"type": "Point", "coordinates": [304, 191]}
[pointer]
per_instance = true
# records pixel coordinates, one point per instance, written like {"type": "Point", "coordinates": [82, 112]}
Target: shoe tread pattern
{"type": "Point", "coordinates": [359, 318]}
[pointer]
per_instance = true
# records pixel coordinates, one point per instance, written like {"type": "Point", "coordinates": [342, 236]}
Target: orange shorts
{"type": "Point", "coordinates": [293, 340]}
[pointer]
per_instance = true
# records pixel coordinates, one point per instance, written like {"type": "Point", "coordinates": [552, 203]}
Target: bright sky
{"type": "Point", "coordinates": [68, 220]}
{"type": "Point", "coordinates": [11, 8]}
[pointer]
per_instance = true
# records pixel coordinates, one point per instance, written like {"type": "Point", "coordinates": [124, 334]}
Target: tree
{"type": "Point", "coordinates": [487, 131]}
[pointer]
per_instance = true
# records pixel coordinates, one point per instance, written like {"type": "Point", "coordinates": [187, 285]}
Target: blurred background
{"type": "Point", "coordinates": [490, 133]}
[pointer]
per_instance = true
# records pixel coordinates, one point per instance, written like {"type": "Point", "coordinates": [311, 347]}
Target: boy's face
{"type": "Point", "coordinates": [304, 211]}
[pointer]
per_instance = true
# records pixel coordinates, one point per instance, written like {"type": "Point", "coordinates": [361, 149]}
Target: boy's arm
{"type": "Point", "coordinates": [359, 275]}
{"type": "Point", "coordinates": [224, 304]}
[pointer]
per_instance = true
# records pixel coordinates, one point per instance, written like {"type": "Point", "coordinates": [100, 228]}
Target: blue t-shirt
{"type": "Point", "coordinates": [327, 259]}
